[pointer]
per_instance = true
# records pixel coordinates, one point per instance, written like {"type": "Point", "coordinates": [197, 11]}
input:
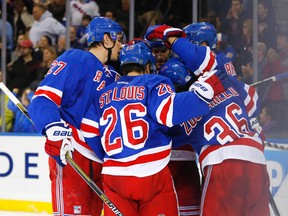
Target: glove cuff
{"type": "Point", "coordinates": [57, 131]}
{"type": "Point", "coordinates": [203, 90]}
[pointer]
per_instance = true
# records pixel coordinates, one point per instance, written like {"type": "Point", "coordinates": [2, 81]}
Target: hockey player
{"type": "Point", "coordinates": [161, 53]}
{"type": "Point", "coordinates": [230, 151]}
{"type": "Point", "coordinates": [132, 119]}
{"type": "Point", "coordinates": [204, 34]}
{"type": "Point", "coordinates": [182, 164]}
{"type": "Point", "coordinates": [61, 101]}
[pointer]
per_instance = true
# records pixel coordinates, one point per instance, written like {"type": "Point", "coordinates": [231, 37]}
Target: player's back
{"type": "Point", "coordinates": [131, 136]}
{"type": "Point", "coordinates": [226, 131]}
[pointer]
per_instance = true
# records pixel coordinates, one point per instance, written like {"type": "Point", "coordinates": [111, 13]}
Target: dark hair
{"type": "Point", "coordinates": [48, 39]}
{"type": "Point", "coordinates": [127, 68]}
{"type": "Point", "coordinates": [87, 17]}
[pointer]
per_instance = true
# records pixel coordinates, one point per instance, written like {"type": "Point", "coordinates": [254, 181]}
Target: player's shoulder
{"type": "Point", "coordinates": [78, 56]}
{"type": "Point", "coordinates": [154, 77]}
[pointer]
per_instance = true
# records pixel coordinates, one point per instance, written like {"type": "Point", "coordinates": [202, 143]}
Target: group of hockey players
{"type": "Point", "coordinates": [137, 132]}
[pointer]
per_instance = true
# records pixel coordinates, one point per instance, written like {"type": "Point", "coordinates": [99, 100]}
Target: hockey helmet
{"type": "Point", "coordinates": [201, 32]}
{"type": "Point", "coordinates": [176, 71]}
{"type": "Point", "coordinates": [102, 25]}
{"type": "Point", "coordinates": [138, 53]}
{"type": "Point", "coordinates": [158, 43]}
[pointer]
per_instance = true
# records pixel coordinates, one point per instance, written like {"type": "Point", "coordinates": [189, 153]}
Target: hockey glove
{"type": "Point", "coordinates": [257, 127]}
{"type": "Point", "coordinates": [58, 142]}
{"type": "Point", "coordinates": [163, 32]}
{"type": "Point", "coordinates": [210, 84]}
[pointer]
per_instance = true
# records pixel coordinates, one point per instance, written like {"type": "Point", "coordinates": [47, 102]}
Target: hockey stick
{"type": "Point", "coordinates": [275, 145]}
{"type": "Point", "coordinates": [271, 79]}
{"type": "Point", "coordinates": [12, 97]}
{"type": "Point", "coordinates": [72, 163]}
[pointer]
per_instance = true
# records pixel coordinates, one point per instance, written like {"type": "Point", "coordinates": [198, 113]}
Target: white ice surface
{"type": "Point", "coordinates": [15, 213]}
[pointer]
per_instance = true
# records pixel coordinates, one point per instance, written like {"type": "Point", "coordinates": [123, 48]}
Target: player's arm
{"type": "Point", "coordinates": [172, 108]}
{"type": "Point", "coordinates": [198, 59]}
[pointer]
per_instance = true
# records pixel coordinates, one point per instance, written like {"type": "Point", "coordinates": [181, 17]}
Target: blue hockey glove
{"type": "Point", "coordinates": [163, 32]}
{"type": "Point", "coordinates": [210, 84]}
{"type": "Point", "coordinates": [58, 142]}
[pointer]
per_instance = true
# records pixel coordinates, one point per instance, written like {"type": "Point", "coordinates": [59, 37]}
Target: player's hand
{"type": "Point", "coordinates": [58, 142]}
{"type": "Point", "coordinates": [210, 84]}
{"type": "Point", "coordinates": [163, 32]}
{"type": "Point", "coordinates": [217, 79]}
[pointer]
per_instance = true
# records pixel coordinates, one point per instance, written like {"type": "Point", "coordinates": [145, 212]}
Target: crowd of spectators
{"type": "Point", "coordinates": [36, 35]}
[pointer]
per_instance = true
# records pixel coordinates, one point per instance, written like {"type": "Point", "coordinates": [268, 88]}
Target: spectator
{"type": "Point", "coordinates": [267, 121]}
{"type": "Point", "coordinates": [81, 30]}
{"type": "Point", "coordinates": [23, 70]}
{"type": "Point", "coordinates": [277, 62]}
{"type": "Point", "coordinates": [45, 24]}
{"type": "Point", "coordinates": [61, 45]}
{"type": "Point", "coordinates": [110, 14]}
{"type": "Point", "coordinates": [9, 38]}
{"type": "Point", "coordinates": [233, 24]}
{"type": "Point", "coordinates": [123, 16]}
{"type": "Point", "coordinates": [214, 20]}
{"type": "Point", "coordinates": [21, 123]}
{"type": "Point", "coordinates": [245, 51]}
{"type": "Point", "coordinates": [8, 114]}
{"type": "Point", "coordinates": [150, 17]}
{"type": "Point", "coordinates": [248, 70]}
{"type": "Point", "coordinates": [267, 26]}
{"type": "Point", "coordinates": [58, 9]}
{"type": "Point", "coordinates": [74, 43]}
{"type": "Point", "coordinates": [16, 53]}
{"type": "Point", "coordinates": [49, 55]}
{"type": "Point", "coordinates": [79, 8]}
{"type": "Point", "coordinates": [43, 43]}
{"type": "Point", "coordinates": [23, 18]}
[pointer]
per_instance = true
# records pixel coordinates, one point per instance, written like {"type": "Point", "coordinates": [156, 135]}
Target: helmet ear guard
{"type": "Point", "coordinates": [201, 32]}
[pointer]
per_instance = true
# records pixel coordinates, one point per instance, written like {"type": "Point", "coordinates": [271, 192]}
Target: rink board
{"type": "Point", "coordinates": [25, 184]}
{"type": "Point", "coordinates": [24, 174]}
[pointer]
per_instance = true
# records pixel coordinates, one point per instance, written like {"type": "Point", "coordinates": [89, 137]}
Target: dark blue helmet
{"type": "Point", "coordinates": [101, 25]}
{"type": "Point", "coordinates": [201, 32]}
{"type": "Point", "coordinates": [156, 42]}
{"type": "Point", "coordinates": [138, 53]}
{"type": "Point", "coordinates": [176, 71]}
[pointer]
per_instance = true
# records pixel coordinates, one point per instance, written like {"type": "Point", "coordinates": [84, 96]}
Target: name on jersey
{"type": "Point", "coordinates": [191, 124]}
{"type": "Point", "coordinates": [218, 99]}
{"type": "Point", "coordinates": [124, 93]}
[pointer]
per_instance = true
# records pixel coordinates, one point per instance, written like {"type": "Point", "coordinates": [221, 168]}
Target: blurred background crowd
{"type": "Point", "coordinates": [36, 34]}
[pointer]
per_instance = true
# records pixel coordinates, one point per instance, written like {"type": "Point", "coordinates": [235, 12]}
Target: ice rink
{"type": "Point", "coordinates": [10, 213]}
